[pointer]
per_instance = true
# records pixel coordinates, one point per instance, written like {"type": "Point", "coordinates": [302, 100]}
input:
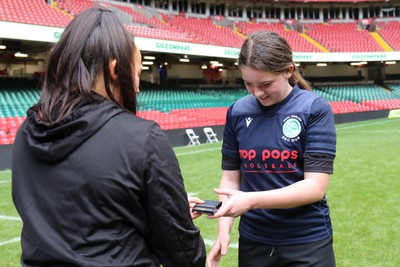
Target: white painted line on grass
{"type": "Point", "coordinates": [363, 124]}
{"type": "Point", "coordinates": [192, 194]}
{"type": "Point", "coordinates": [210, 242]}
{"type": "Point", "coordinates": [198, 151]}
{"type": "Point", "coordinates": [14, 240]}
{"type": "Point", "coordinates": [5, 181]}
{"type": "Point", "coordinates": [9, 218]}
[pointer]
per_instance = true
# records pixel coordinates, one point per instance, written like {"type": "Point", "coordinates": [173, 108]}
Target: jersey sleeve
{"type": "Point", "coordinates": [230, 164]}
{"type": "Point", "coordinates": [321, 131]}
{"type": "Point", "coordinates": [317, 162]}
{"type": "Point", "coordinates": [230, 146]}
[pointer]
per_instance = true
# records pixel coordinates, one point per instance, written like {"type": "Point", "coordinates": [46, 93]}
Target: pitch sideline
{"type": "Point", "coordinates": [11, 241]}
{"type": "Point", "coordinates": [9, 218]}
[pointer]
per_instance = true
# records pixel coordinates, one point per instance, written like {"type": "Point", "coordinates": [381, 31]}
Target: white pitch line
{"type": "Point", "coordinates": [5, 181]}
{"type": "Point", "coordinates": [9, 218]}
{"type": "Point", "coordinates": [210, 242]}
{"type": "Point", "coordinates": [197, 151]}
{"type": "Point", "coordinates": [14, 240]}
{"type": "Point", "coordinates": [192, 194]}
{"type": "Point", "coordinates": [345, 127]}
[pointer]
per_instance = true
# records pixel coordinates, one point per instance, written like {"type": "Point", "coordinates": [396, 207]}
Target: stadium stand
{"type": "Point", "coordinates": [36, 12]}
{"type": "Point", "coordinates": [180, 108]}
{"type": "Point", "coordinates": [214, 30]}
{"type": "Point", "coordinates": [192, 108]}
{"type": "Point", "coordinates": [389, 31]}
{"type": "Point", "coordinates": [343, 37]}
{"type": "Point", "coordinates": [207, 31]}
{"type": "Point", "coordinates": [358, 97]}
{"type": "Point", "coordinates": [295, 40]}
{"type": "Point", "coordinates": [73, 7]}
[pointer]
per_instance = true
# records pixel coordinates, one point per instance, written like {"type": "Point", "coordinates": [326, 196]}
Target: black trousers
{"type": "Point", "coordinates": [316, 254]}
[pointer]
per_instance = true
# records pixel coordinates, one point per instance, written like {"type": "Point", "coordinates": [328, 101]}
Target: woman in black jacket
{"type": "Point", "coordinates": [94, 184]}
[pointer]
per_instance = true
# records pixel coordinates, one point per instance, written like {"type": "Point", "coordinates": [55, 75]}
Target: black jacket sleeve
{"type": "Point", "coordinates": [174, 238]}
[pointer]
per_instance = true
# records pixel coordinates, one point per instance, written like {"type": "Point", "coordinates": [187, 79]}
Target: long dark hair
{"type": "Point", "coordinates": [268, 51]}
{"type": "Point", "coordinates": [89, 42]}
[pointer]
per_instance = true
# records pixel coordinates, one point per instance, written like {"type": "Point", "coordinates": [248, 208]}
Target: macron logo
{"type": "Point", "coordinates": [248, 121]}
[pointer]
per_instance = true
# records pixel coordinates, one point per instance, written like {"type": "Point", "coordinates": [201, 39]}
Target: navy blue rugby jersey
{"type": "Point", "coordinates": [271, 142]}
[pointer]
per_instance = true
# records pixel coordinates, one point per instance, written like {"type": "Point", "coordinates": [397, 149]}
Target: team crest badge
{"type": "Point", "coordinates": [291, 129]}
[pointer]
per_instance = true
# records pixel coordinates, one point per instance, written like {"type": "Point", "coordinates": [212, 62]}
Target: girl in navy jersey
{"type": "Point", "coordinates": [277, 155]}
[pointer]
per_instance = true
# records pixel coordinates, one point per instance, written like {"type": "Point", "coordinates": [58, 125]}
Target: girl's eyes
{"type": "Point", "coordinates": [261, 85]}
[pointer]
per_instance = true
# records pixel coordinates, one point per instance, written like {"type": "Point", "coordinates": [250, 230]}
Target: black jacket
{"type": "Point", "coordinates": [101, 188]}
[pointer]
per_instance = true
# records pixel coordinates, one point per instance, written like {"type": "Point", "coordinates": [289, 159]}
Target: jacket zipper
{"type": "Point", "coordinates": [272, 251]}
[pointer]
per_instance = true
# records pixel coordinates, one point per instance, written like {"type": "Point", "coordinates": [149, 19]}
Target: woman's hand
{"type": "Point", "coordinates": [193, 201]}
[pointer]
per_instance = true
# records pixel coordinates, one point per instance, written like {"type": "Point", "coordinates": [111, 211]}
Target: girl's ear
{"type": "Point", "coordinates": [289, 71]}
{"type": "Point", "coordinates": [111, 67]}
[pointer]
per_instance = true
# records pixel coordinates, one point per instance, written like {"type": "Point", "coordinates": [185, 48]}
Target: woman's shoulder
{"type": "Point", "coordinates": [135, 123]}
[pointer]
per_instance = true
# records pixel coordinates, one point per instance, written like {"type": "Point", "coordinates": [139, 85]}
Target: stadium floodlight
{"type": "Point", "coordinates": [184, 60]}
{"type": "Point", "coordinates": [358, 63]}
{"type": "Point", "coordinates": [19, 54]}
{"type": "Point", "coordinates": [147, 62]}
{"type": "Point", "coordinates": [390, 62]}
{"type": "Point", "coordinates": [149, 57]}
{"type": "Point", "coordinates": [322, 64]}
{"type": "Point", "coordinates": [3, 47]}
{"type": "Point", "coordinates": [145, 67]}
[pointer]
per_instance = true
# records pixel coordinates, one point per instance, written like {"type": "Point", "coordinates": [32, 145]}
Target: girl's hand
{"type": "Point", "coordinates": [218, 250]}
{"type": "Point", "coordinates": [236, 203]}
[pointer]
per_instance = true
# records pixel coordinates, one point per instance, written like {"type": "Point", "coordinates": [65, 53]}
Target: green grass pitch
{"type": "Point", "coordinates": [363, 195]}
